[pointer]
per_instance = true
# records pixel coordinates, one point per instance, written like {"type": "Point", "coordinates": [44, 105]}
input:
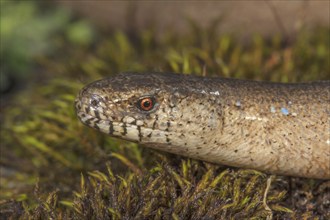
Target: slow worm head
{"type": "Point", "coordinates": [273, 127]}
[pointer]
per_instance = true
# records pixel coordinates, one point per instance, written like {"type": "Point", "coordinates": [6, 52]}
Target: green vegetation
{"type": "Point", "coordinates": [27, 33]}
{"type": "Point", "coordinates": [52, 166]}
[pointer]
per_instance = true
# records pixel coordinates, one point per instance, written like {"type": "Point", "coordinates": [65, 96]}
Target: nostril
{"type": "Point", "coordinates": [94, 103]}
{"type": "Point", "coordinates": [95, 100]}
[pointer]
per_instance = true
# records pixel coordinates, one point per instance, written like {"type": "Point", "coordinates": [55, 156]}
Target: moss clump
{"type": "Point", "coordinates": [54, 167]}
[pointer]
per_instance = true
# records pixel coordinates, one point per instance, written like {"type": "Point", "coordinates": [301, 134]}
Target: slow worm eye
{"type": "Point", "coordinates": [146, 104]}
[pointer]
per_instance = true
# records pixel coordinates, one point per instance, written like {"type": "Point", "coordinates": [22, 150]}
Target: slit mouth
{"type": "Point", "coordinates": [77, 104]}
{"type": "Point", "coordinates": [88, 119]}
{"type": "Point", "coordinates": [83, 117]}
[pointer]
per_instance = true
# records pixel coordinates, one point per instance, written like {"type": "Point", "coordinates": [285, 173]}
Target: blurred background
{"type": "Point", "coordinates": [244, 18]}
{"type": "Point", "coordinates": [50, 49]}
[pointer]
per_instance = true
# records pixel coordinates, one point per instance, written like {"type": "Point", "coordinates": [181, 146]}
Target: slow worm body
{"type": "Point", "coordinates": [272, 127]}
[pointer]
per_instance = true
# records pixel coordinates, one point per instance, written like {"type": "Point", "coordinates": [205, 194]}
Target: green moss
{"type": "Point", "coordinates": [52, 166]}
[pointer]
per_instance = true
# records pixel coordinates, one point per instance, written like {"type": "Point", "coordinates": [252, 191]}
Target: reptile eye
{"type": "Point", "coordinates": [146, 104]}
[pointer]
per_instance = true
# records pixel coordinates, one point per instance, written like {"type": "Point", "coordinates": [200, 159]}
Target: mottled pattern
{"type": "Point", "coordinates": [272, 127]}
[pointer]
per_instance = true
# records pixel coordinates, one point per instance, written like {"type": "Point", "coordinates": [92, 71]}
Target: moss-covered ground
{"type": "Point", "coordinates": [53, 167]}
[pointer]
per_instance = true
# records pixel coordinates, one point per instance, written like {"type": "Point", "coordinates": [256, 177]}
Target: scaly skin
{"type": "Point", "coordinates": [272, 127]}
